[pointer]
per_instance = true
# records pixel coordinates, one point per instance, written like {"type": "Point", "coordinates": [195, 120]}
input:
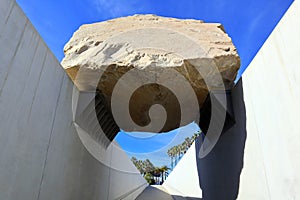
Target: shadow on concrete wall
{"type": "Point", "coordinates": [219, 172]}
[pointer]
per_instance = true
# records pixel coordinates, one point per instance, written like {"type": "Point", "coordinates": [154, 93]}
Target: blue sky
{"type": "Point", "coordinates": [154, 146]}
{"type": "Point", "coordinates": [248, 23]}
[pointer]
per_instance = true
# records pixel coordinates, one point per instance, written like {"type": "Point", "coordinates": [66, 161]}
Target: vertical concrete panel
{"type": "Point", "coordinates": [19, 70]}
{"type": "Point", "coordinates": [125, 174]}
{"type": "Point", "coordinates": [254, 171]}
{"type": "Point", "coordinates": [10, 39]}
{"type": "Point", "coordinates": [24, 148]}
{"type": "Point", "coordinates": [272, 83]}
{"type": "Point", "coordinates": [13, 113]}
{"type": "Point", "coordinates": [5, 10]}
{"type": "Point", "coordinates": [285, 38]}
{"type": "Point", "coordinates": [183, 180]}
{"type": "Point", "coordinates": [117, 178]}
{"type": "Point", "coordinates": [18, 48]}
{"type": "Point", "coordinates": [70, 170]}
{"type": "Point", "coordinates": [41, 155]}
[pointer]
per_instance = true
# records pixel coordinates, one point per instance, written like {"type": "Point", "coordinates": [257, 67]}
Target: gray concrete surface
{"type": "Point", "coordinates": [258, 158]}
{"type": "Point", "coordinates": [41, 155]}
{"type": "Point", "coordinates": [184, 179]}
{"type": "Point", "coordinates": [154, 192]}
{"type": "Point", "coordinates": [271, 86]}
{"type": "Point", "coordinates": [160, 192]}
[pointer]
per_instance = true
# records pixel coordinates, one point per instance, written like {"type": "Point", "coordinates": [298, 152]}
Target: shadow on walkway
{"type": "Point", "coordinates": [159, 193]}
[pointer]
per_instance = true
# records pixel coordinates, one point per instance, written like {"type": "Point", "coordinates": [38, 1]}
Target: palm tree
{"type": "Point", "coordinates": [188, 142]}
{"type": "Point", "coordinates": [173, 154]}
{"type": "Point", "coordinates": [195, 136]}
{"type": "Point", "coordinates": [148, 166]}
{"type": "Point", "coordinates": [170, 154]}
{"type": "Point", "coordinates": [156, 173]}
{"type": "Point", "coordinates": [137, 164]}
{"type": "Point", "coordinates": [177, 154]}
{"type": "Point", "coordinates": [182, 148]}
{"type": "Point", "coordinates": [163, 170]}
{"type": "Point", "coordinates": [141, 167]}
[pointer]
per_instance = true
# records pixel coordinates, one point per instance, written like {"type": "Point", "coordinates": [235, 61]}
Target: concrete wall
{"type": "Point", "coordinates": [258, 158]}
{"type": "Point", "coordinates": [183, 180]}
{"type": "Point", "coordinates": [41, 155]}
{"type": "Point", "coordinates": [272, 97]}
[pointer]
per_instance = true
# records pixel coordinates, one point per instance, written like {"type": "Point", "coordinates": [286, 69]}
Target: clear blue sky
{"type": "Point", "coordinates": [248, 23]}
{"type": "Point", "coordinates": [154, 146]}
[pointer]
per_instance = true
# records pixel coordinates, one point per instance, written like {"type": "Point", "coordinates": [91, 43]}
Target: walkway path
{"type": "Point", "coordinates": [154, 192]}
{"type": "Point", "coordinates": [158, 192]}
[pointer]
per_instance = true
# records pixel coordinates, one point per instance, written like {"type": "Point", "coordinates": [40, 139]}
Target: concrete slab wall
{"type": "Point", "coordinates": [183, 180]}
{"type": "Point", "coordinates": [258, 158]}
{"type": "Point", "coordinates": [41, 155]}
{"type": "Point", "coordinates": [272, 97]}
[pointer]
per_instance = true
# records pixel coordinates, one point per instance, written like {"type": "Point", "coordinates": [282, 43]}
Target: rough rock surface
{"type": "Point", "coordinates": [146, 60]}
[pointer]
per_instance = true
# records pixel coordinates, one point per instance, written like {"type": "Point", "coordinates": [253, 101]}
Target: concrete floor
{"type": "Point", "coordinates": [154, 192]}
{"type": "Point", "coordinates": [158, 192]}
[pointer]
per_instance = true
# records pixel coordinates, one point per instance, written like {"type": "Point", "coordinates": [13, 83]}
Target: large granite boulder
{"type": "Point", "coordinates": [143, 60]}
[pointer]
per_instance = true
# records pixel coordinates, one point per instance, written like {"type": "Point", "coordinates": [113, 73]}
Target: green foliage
{"type": "Point", "coordinates": [149, 178]}
{"type": "Point", "coordinates": [149, 171]}
{"type": "Point", "coordinates": [176, 152]}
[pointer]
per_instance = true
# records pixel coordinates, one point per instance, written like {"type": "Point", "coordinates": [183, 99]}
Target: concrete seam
{"type": "Point", "coordinates": [130, 192]}
{"type": "Point", "coordinates": [50, 137]}
{"type": "Point", "coordinates": [81, 157]}
{"type": "Point", "coordinates": [283, 62]}
{"type": "Point", "coordinates": [37, 85]}
{"type": "Point", "coordinates": [259, 140]}
{"type": "Point", "coordinates": [30, 67]}
{"type": "Point", "coordinates": [276, 36]}
{"type": "Point", "coordinates": [13, 58]}
{"type": "Point", "coordinates": [6, 20]}
{"type": "Point", "coordinates": [109, 169]}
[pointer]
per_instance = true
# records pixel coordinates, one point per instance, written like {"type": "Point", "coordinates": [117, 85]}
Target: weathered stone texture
{"type": "Point", "coordinates": [150, 46]}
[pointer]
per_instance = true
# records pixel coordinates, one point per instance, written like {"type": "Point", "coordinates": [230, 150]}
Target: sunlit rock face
{"type": "Point", "coordinates": [143, 60]}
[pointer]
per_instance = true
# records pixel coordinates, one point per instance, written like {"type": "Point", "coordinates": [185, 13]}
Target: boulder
{"type": "Point", "coordinates": [154, 72]}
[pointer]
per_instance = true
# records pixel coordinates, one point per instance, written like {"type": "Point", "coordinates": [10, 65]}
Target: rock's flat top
{"type": "Point", "coordinates": [155, 59]}
{"type": "Point", "coordinates": [210, 37]}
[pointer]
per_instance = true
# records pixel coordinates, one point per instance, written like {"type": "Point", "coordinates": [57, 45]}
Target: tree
{"type": "Point", "coordinates": [149, 171]}
{"type": "Point", "coordinates": [149, 178]}
{"type": "Point", "coordinates": [188, 143]}
{"type": "Point", "coordinates": [163, 170]}
{"type": "Point", "coordinates": [148, 166]}
{"type": "Point", "coordinates": [182, 148]}
{"type": "Point", "coordinates": [170, 154]}
{"type": "Point", "coordinates": [195, 136]}
{"type": "Point", "coordinates": [177, 153]}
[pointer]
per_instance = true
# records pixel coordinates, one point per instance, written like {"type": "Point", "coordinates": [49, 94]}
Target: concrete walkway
{"type": "Point", "coordinates": [158, 192]}
{"type": "Point", "coordinates": [154, 192]}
